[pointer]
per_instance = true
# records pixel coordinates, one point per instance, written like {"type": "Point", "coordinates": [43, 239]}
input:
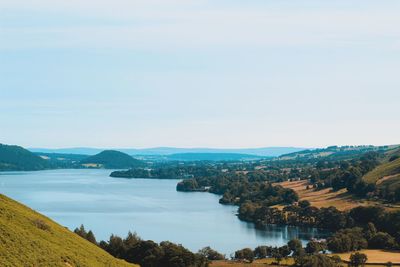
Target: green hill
{"type": "Point", "coordinates": [111, 159]}
{"type": "Point", "coordinates": [16, 158]}
{"type": "Point", "coordinates": [28, 238]}
{"type": "Point", "coordinates": [386, 176]}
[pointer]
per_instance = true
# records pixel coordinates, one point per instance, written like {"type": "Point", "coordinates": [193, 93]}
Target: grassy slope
{"type": "Point", "coordinates": [28, 238]}
{"type": "Point", "coordinates": [325, 197]}
{"type": "Point", "coordinates": [383, 170]}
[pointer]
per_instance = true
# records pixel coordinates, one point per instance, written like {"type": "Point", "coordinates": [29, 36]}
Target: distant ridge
{"type": "Point", "coordinates": [213, 157]}
{"type": "Point", "coordinates": [263, 151]}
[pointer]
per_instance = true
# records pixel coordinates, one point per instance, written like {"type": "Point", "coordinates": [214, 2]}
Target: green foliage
{"type": "Point", "coordinates": [87, 235]}
{"type": "Point", "coordinates": [169, 171]}
{"type": "Point", "coordinates": [347, 240]}
{"type": "Point", "coordinates": [15, 158]}
{"type": "Point", "coordinates": [28, 238]}
{"type": "Point", "coordinates": [317, 260]}
{"type": "Point", "coordinates": [245, 254]}
{"type": "Point", "coordinates": [358, 259]}
{"type": "Point", "coordinates": [211, 254]}
{"type": "Point", "coordinates": [150, 254]}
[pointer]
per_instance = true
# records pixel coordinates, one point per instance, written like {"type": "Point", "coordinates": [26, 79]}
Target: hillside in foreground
{"type": "Point", "coordinates": [28, 238]}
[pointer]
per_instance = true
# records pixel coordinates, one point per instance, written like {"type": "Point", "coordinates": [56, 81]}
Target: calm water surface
{"type": "Point", "coordinates": [152, 208]}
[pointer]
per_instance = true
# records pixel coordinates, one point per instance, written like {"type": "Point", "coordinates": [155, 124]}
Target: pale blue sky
{"type": "Point", "coordinates": [220, 73]}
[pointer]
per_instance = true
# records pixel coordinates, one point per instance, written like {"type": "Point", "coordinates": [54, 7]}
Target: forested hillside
{"type": "Point", "coordinates": [111, 159]}
{"type": "Point", "coordinates": [16, 158]}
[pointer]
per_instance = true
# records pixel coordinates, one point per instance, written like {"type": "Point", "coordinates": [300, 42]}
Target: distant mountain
{"type": "Point", "coordinates": [264, 152]}
{"type": "Point", "coordinates": [31, 239]}
{"type": "Point", "coordinates": [212, 157]}
{"type": "Point", "coordinates": [111, 159]}
{"type": "Point", "coordinates": [16, 158]}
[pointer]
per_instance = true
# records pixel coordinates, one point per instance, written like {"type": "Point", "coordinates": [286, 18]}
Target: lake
{"type": "Point", "coordinates": [151, 208]}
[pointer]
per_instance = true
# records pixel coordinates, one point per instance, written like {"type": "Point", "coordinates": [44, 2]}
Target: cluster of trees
{"type": "Point", "coordinates": [171, 171]}
{"type": "Point", "coordinates": [237, 188]}
{"type": "Point", "coordinates": [346, 174]}
{"type": "Point", "coordinates": [310, 256]}
{"type": "Point", "coordinates": [148, 253]}
{"type": "Point", "coordinates": [305, 257]}
{"type": "Point", "coordinates": [299, 214]}
{"type": "Point", "coordinates": [357, 238]}
{"type": "Point", "coordinates": [361, 227]}
{"type": "Point", "coordinates": [167, 254]}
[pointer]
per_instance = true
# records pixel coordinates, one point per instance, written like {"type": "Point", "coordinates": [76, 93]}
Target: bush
{"type": "Point", "coordinates": [245, 254]}
{"type": "Point", "coordinates": [41, 224]}
{"type": "Point", "coordinates": [358, 259]}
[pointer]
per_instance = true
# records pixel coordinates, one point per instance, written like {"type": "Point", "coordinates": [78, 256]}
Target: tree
{"type": "Point", "coordinates": [295, 245]}
{"type": "Point", "coordinates": [211, 254]}
{"type": "Point", "coordinates": [90, 237]}
{"type": "Point", "coordinates": [314, 247]}
{"type": "Point", "coordinates": [358, 259]}
{"type": "Point", "coordinates": [245, 254]}
{"type": "Point", "coordinates": [382, 241]}
{"type": "Point", "coordinates": [317, 260]}
{"type": "Point", "coordinates": [262, 252]}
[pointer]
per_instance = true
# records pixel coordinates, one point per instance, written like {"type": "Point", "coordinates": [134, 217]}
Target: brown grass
{"type": "Point", "coordinates": [375, 256]}
{"type": "Point", "coordinates": [325, 197]}
{"type": "Point", "coordinates": [256, 263]}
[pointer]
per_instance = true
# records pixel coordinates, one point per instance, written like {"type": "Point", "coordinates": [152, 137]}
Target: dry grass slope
{"type": "Point", "coordinates": [388, 170]}
{"type": "Point", "coordinates": [325, 197]}
{"type": "Point", "coordinates": [28, 238]}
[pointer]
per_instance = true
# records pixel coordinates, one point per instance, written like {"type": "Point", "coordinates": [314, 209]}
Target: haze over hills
{"type": "Point", "coordinates": [264, 151]}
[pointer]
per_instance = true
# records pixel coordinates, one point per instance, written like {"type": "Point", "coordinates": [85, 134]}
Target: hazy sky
{"type": "Point", "coordinates": [217, 73]}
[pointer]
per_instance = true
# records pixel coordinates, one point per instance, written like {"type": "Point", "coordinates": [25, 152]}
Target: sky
{"type": "Point", "coordinates": [188, 73]}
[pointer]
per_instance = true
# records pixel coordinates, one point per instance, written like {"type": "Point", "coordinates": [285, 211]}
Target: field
{"type": "Point", "coordinates": [28, 238]}
{"type": "Point", "coordinates": [325, 197]}
{"type": "Point", "coordinates": [376, 256]}
{"type": "Point", "coordinates": [256, 263]}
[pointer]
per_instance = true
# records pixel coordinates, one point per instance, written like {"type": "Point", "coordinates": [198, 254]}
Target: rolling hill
{"type": "Point", "coordinates": [16, 158]}
{"type": "Point", "coordinates": [111, 159]}
{"type": "Point", "coordinates": [386, 176]}
{"type": "Point", "coordinates": [28, 238]}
